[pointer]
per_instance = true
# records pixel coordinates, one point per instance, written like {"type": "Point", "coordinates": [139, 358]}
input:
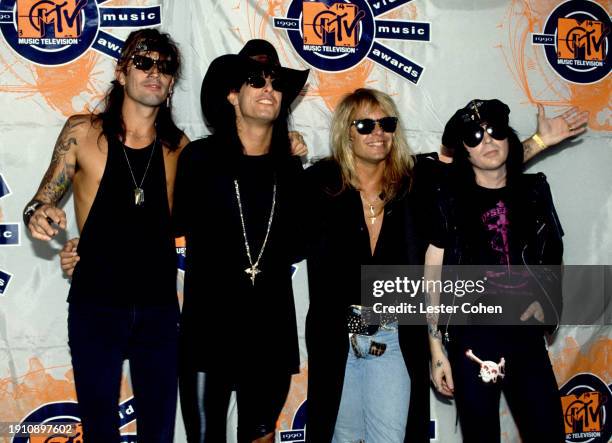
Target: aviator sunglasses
{"type": "Point", "coordinates": [365, 126]}
{"type": "Point", "coordinates": [257, 80]}
{"type": "Point", "coordinates": [473, 133]}
{"type": "Point", "coordinates": [144, 63]}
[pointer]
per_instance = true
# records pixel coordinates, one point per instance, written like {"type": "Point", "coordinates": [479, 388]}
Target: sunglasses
{"type": "Point", "coordinates": [258, 80]}
{"type": "Point", "coordinates": [366, 125]}
{"type": "Point", "coordinates": [144, 63]}
{"type": "Point", "coordinates": [473, 133]}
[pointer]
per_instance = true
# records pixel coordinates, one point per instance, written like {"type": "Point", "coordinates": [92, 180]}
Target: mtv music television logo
{"type": "Point", "coordinates": [58, 32]}
{"type": "Point", "coordinates": [35, 17]}
{"type": "Point", "coordinates": [583, 413]}
{"type": "Point", "coordinates": [581, 40]}
{"type": "Point", "coordinates": [72, 434]}
{"type": "Point", "coordinates": [337, 35]}
{"type": "Point", "coordinates": [576, 41]}
{"type": "Point", "coordinates": [336, 25]}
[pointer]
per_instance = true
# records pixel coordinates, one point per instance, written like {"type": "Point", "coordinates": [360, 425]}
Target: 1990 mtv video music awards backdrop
{"type": "Point", "coordinates": [56, 59]}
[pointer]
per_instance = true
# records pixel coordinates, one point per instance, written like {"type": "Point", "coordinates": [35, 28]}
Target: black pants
{"type": "Point", "coordinates": [529, 386]}
{"type": "Point", "coordinates": [100, 339]}
{"type": "Point", "coordinates": [205, 399]}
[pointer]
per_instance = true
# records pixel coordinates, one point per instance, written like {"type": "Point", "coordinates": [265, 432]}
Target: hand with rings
{"type": "Point", "coordinates": [569, 124]}
{"type": "Point", "coordinates": [46, 221]}
{"type": "Point", "coordinates": [298, 145]}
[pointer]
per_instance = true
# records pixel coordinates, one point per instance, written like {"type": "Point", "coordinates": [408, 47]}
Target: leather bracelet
{"type": "Point", "coordinates": [30, 210]}
{"type": "Point", "coordinates": [536, 138]}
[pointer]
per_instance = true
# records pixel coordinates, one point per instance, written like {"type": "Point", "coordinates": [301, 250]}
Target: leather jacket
{"type": "Point", "coordinates": [538, 231]}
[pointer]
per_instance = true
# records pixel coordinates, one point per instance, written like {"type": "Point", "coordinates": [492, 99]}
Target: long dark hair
{"type": "Point", "coordinates": [514, 163]}
{"type": "Point", "coordinates": [225, 127]}
{"type": "Point", "coordinates": [111, 118]}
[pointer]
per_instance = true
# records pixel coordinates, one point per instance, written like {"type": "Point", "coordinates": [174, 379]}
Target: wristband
{"type": "Point", "coordinates": [536, 138]}
{"type": "Point", "coordinates": [30, 210]}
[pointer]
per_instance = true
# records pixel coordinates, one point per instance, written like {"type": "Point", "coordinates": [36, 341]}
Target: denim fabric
{"type": "Point", "coordinates": [375, 394]}
{"type": "Point", "coordinates": [100, 339]}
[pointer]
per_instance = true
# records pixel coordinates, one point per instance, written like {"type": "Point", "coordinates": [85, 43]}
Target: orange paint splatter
{"type": "Point", "coordinates": [296, 396]}
{"type": "Point", "coordinates": [406, 12]}
{"type": "Point", "coordinates": [529, 65]}
{"type": "Point", "coordinates": [21, 395]}
{"type": "Point", "coordinates": [77, 87]}
{"type": "Point", "coordinates": [128, 3]}
{"type": "Point", "coordinates": [572, 359]}
{"type": "Point", "coordinates": [331, 87]}
{"type": "Point", "coordinates": [59, 86]}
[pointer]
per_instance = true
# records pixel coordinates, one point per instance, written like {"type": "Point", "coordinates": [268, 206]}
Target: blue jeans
{"type": "Point", "coordinates": [100, 338]}
{"type": "Point", "coordinates": [375, 394]}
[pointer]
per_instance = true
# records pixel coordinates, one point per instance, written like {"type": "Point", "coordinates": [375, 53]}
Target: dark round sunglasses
{"type": "Point", "coordinates": [473, 134]}
{"type": "Point", "coordinates": [257, 80]}
{"type": "Point", "coordinates": [144, 63]}
{"type": "Point", "coordinates": [365, 126]}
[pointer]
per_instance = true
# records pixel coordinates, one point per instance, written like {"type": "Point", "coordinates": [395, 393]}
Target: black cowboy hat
{"type": "Point", "coordinates": [230, 71]}
{"type": "Point", "coordinates": [476, 111]}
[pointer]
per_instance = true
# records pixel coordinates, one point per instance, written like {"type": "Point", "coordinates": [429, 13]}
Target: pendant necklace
{"type": "Point", "coordinates": [139, 197]}
{"type": "Point", "coordinates": [253, 270]}
{"type": "Point", "coordinates": [370, 209]}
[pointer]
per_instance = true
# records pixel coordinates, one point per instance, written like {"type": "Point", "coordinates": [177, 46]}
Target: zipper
{"type": "Point", "coordinates": [538, 232]}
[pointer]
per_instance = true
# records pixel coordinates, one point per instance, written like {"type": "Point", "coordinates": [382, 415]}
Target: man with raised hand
{"type": "Point", "coordinates": [490, 214]}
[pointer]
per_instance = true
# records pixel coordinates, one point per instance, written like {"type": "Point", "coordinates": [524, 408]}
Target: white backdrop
{"type": "Point", "coordinates": [477, 49]}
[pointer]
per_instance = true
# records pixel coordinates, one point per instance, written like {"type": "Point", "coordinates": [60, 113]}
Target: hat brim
{"type": "Point", "coordinates": [491, 111]}
{"type": "Point", "coordinates": [229, 71]}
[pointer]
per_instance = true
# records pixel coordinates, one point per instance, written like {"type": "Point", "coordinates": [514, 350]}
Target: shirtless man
{"type": "Point", "coordinates": [122, 165]}
{"type": "Point", "coordinates": [114, 160]}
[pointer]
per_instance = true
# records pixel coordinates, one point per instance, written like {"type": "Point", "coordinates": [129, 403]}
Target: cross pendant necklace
{"type": "Point", "coordinates": [371, 211]}
{"type": "Point", "coordinates": [253, 270]}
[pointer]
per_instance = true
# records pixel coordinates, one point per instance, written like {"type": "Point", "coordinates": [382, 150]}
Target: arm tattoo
{"type": "Point", "coordinates": [434, 332]}
{"type": "Point", "coordinates": [438, 363]}
{"type": "Point", "coordinates": [528, 150]}
{"type": "Point", "coordinates": [432, 319]}
{"type": "Point", "coordinates": [55, 188]}
{"type": "Point", "coordinates": [59, 176]}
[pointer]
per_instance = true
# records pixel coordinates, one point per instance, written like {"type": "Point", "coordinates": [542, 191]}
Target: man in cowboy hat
{"type": "Point", "coordinates": [52, 188]}
{"type": "Point", "coordinates": [234, 202]}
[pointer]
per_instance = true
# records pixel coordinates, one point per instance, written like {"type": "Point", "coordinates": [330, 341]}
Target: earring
{"type": "Point", "coordinates": [168, 97]}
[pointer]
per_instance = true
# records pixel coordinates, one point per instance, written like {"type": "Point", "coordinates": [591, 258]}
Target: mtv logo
{"type": "Point", "coordinates": [5, 279]}
{"type": "Point", "coordinates": [9, 234]}
{"type": "Point", "coordinates": [4, 189]}
{"type": "Point", "coordinates": [65, 15]}
{"type": "Point", "coordinates": [583, 413]}
{"type": "Point", "coordinates": [583, 40]}
{"type": "Point", "coordinates": [335, 25]}
{"type": "Point", "coordinates": [74, 436]}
